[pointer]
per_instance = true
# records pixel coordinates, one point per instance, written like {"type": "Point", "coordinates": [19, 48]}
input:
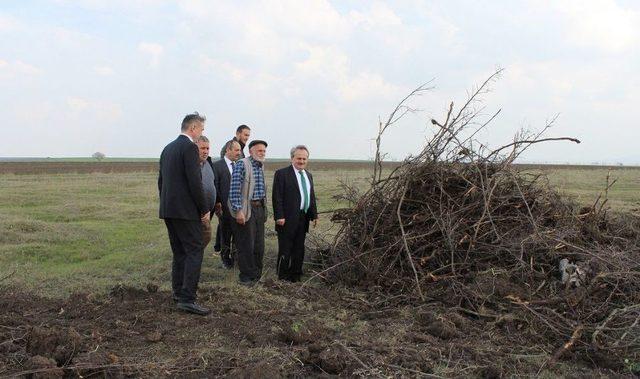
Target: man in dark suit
{"type": "Point", "coordinates": [294, 207]}
{"type": "Point", "coordinates": [183, 208]}
{"type": "Point", "coordinates": [222, 170]}
{"type": "Point", "coordinates": [243, 132]}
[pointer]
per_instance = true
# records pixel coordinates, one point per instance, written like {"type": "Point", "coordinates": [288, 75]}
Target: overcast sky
{"type": "Point", "coordinates": [117, 76]}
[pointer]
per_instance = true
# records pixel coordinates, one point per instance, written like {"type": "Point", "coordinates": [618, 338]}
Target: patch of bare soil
{"type": "Point", "coordinates": [270, 331]}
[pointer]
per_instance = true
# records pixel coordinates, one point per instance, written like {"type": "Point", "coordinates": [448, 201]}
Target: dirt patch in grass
{"type": "Point", "coordinates": [273, 330]}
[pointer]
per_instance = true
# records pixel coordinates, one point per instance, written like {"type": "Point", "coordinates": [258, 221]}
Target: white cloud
{"type": "Point", "coordinates": [312, 18]}
{"type": "Point", "coordinates": [17, 69]}
{"type": "Point", "coordinates": [268, 32]}
{"type": "Point", "coordinates": [92, 110]}
{"type": "Point", "coordinates": [103, 70]}
{"type": "Point", "coordinates": [36, 113]}
{"type": "Point", "coordinates": [8, 23]}
{"type": "Point", "coordinates": [26, 68]}
{"type": "Point", "coordinates": [101, 5]}
{"type": "Point", "coordinates": [154, 50]}
{"type": "Point", "coordinates": [602, 24]}
{"type": "Point", "coordinates": [325, 62]}
{"type": "Point", "coordinates": [379, 15]}
{"type": "Point", "coordinates": [226, 68]}
{"type": "Point", "coordinates": [331, 66]}
{"type": "Point", "coordinates": [563, 84]}
{"type": "Point", "coordinates": [366, 85]}
{"type": "Point", "coordinates": [442, 26]}
{"type": "Point", "coordinates": [294, 45]}
{"type": "Point", "coordinates": [69, 38]}
{"type": "Point", "coordinates": [77, 104]}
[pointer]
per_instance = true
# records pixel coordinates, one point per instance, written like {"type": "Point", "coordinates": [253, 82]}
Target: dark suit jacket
{"type": "Point", "coordinates": [180, 181]}
{"type": "Point", "coordinates": [223, 183]}
{"type": "Point", "coordinates": [286, 200]}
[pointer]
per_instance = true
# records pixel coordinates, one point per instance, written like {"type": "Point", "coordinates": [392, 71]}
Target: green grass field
{"type": "Point", "coordinates": [62, 233]}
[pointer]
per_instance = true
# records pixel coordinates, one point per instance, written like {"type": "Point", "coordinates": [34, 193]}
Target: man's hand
{"type": "Point", "coordinates": [280, 222]}
{"type": "Point", "coordinates": [205, 217]}
{"type": "Point", "coordinates": [315, 223]}
{"type": "Point", "coordinates": [240, 218]}
{"type": "Point", "coordinates": [218, 209]}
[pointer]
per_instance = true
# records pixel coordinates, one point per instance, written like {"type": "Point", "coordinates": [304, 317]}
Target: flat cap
{"type": "Point", "coordinates": [257, 142]}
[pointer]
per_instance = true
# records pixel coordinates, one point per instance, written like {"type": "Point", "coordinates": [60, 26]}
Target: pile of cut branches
{"type": "Point", "coordinates": [462, 225]}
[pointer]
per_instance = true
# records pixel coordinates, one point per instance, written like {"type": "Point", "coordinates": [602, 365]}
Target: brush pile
{"type": "Point", "coordinates": [461, 225]}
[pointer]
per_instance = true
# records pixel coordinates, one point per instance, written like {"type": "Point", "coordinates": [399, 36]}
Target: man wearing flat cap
{"type": "Point", "coordinates": [247, 204]}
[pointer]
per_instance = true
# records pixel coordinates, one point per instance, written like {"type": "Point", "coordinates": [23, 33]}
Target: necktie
{"type": "Point", "coordinates": [303, 181]}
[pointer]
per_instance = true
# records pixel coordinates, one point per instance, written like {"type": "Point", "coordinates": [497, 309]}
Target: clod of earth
{"type": "Point", "coordinates": [44, 368]}
{"type": "Point", "coordinates": [154, 337]}
{"type": "Point", "coordinates": [55, 343]}
{"type": "Point", "coordinates": [152, 288]}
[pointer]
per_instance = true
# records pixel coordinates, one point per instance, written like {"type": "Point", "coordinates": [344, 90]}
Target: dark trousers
{"type": "Point", "coordinates": [186, 244]}
{"type": "Point", "coordinates": [249, 240]}
{"type": "Point", "coordinates": [216, 245]}
{"type": "Point", "coordinates": [225, 236]}
{"type": "Point", "coordinates": [291, 251]}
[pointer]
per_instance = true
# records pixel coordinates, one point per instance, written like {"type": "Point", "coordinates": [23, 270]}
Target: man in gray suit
{"type": "Point", "coordinates": [223, 169]}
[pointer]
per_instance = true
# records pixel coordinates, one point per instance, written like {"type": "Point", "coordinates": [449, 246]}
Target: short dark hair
{"type": "Point", "coordinates": [190, 119]}
{"type": "Point", "coordinates": [241, 128]}
{"type": "Point", "coordinates": [230, 143]}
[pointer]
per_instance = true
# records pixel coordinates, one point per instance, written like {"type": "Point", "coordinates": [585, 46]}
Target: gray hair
{"type": "Point", "coordinates": [202, 139]}
{"type": "Point", "coordinates": [190, 119]}
{"type": "Point", "coordinates": [299, 147]}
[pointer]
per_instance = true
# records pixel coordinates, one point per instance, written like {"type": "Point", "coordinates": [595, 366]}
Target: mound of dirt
{"type": "Point", "coordinates": [127, 293]}
{"type": "Point", "coordinates": [59, 344]}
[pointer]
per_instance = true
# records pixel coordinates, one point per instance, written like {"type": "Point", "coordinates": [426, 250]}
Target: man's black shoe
{"type": "Point", "coordinates": [193, 308]}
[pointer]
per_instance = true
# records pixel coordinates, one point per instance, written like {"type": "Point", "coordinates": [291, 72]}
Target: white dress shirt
{"type": "Point", "coordinates": [188, 136]}
{"type": "Point", "coordinates": [304, 172]}
{"type": "Point", "coordinates": [229, 164]}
